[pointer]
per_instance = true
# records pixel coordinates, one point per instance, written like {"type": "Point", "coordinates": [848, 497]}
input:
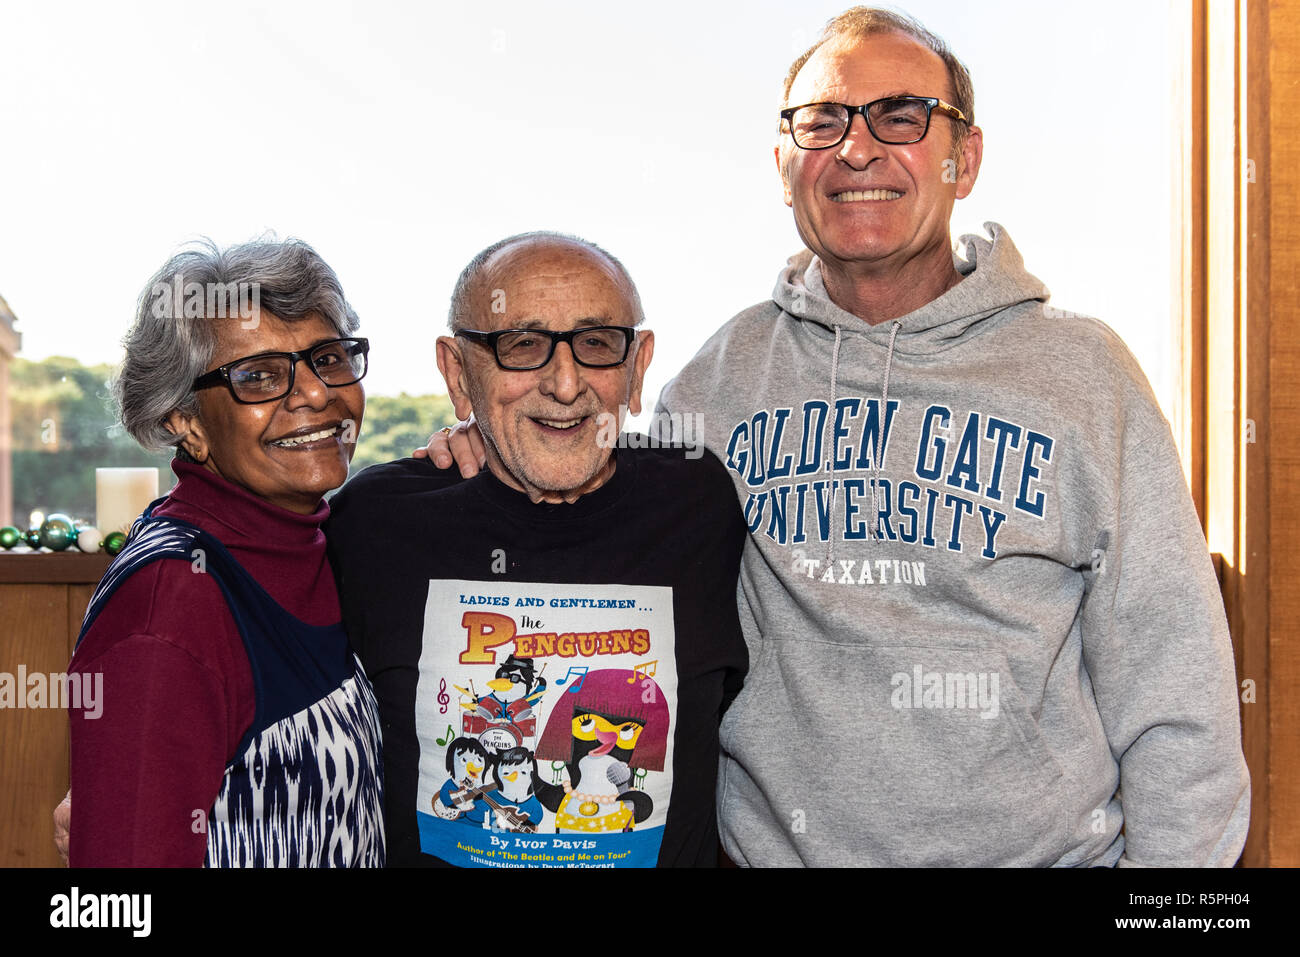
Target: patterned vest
{"type": "Point", "coordinates": [305, 786]}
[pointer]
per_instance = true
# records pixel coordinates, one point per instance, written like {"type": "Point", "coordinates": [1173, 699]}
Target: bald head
{"type": "Point", "coordinates": [478, 301]}
{"type": "Point", "coordinates": [546, 427]}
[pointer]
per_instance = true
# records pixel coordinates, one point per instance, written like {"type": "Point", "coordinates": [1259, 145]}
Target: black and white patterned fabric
{"type": "Point", "coordinates": [305, 786]}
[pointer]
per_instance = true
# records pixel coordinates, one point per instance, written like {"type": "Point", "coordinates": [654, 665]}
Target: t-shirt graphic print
{"type": "Point", "coordinates": [545, 716]}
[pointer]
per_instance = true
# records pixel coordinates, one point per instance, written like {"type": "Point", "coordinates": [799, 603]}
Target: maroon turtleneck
{"type": "Point", "coordinates": [177, 689]}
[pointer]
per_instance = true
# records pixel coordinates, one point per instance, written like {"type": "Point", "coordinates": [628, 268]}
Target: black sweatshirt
{"type": "Point", "coordinates": [564, 708]}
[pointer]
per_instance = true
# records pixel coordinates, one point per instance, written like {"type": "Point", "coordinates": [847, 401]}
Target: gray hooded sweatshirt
{"type": "Point", "coordinates": [983, 625]}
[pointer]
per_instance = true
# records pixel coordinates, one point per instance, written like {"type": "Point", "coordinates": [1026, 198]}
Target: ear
{"type": "Point", "coordinates": [972, 152]}
{"type": "Point", "coordinates": [452, 367]}
{"type": "Point", "coordinates": [785, 179]}
{"type": "Point", "coordinates": [645, 350]}
{"type": "Point", "coordinates": [194, 439]}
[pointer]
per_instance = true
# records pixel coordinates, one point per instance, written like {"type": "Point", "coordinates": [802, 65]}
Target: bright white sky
{"type": "Point", "coordinates": [399, 138]}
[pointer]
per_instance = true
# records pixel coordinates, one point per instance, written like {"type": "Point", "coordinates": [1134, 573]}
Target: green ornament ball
{"type": "Point", "coordinates": [57, 532]}
{"type": "Point", "coordinates": [114, 542]}
{"type": "Point", "coordinates": [33, 538]}
{"type": "Point", "coordinates": [10, 536]}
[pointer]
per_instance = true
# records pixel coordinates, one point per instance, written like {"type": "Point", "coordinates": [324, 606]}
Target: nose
{"type": "Point", "coordinates": [562, 379]}
{"type": "Point", "coordinates": [859, 147]}
{"type": "Point", "coordinates": [309, 390]}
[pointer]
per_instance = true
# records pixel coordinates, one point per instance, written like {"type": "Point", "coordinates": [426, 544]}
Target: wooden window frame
{"type": "Point", "coordinates": [1237, 239]}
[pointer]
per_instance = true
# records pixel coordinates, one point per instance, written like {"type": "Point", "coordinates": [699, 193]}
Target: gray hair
{"type": "Point", "coordinates": [168, 347]}
{"type": "Point", "coordinates": [858, 23]}
{"type": "Point", "coordinates": [461, 296]}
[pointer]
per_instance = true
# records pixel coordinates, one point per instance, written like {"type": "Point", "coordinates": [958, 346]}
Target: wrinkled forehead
{"type": "Point", "coordinates": [553, 284]}
{"type": "Point", "coordinates": [859, 70]}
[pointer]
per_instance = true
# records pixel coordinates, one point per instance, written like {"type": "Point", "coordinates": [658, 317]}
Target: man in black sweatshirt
{"type": "Point", "coordinates": [553, 642]}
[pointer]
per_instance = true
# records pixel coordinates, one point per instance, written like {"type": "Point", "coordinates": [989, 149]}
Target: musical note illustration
{"type": "Point", "coordinates": [443, 698]}
{"type": "Point", "coordinates": [645, 669]}
{"type": "Point", "coordinates": [581, 670]}
{"type": "Point", "coordinates": [447, 740]}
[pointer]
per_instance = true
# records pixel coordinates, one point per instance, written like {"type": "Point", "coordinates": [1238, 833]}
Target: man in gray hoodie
{"type": "Point", "coordinates": [983, 624]}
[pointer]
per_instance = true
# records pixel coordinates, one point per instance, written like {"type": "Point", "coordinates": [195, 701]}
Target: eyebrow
{"type": "Point", "coordinates": [266, 353]}
{"type": "Point", "coordinates": [285, 352]}
{"type": "Point", "coordinates": [581, 323]}
{"type": "Point", "coordinates": [887, 96]}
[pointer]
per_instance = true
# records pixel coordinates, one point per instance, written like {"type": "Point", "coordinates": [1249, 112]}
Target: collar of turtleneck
{"type": "Point", "coordinates": [283, 550]}
{"type": "Point", "coordinates": [234, 514]}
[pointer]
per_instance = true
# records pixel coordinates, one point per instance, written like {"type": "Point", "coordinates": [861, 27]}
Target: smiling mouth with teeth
{"type": "Point", "coordinates": [297, 440]}
{"type": "Point", "coordinates": [861, 195]}
{"type": "Point", "coordinates": [561, 425]}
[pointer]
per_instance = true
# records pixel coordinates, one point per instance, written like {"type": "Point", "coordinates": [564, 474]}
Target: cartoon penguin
{"type": "Point", "coordinates": [605, 734]}
{"type": "Point", "coordinates": [467, 760]}
{"type": "Point", "coordinates": [513, 805]}
{"type": "Point", "coordinates": [514, 691]}
{"type": "Point", "coordinates": [599, 797]}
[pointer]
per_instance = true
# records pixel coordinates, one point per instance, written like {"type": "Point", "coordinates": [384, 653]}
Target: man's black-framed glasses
{"type": "Point", "coordinates": [896, 120]}
{"type": "Point", "coordinates": [269, 376]}
{"type": "Point", "coordinates": [519, 350]}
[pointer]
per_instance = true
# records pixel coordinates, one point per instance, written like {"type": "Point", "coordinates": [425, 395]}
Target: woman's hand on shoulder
{"type": "Point", "coordinates": [462, 446]}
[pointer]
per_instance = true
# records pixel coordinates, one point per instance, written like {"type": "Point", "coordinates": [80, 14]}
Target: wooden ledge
{"type": "Point", "coordinates": [25, 567]}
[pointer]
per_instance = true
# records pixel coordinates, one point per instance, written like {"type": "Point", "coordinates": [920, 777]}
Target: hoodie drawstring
{"type": "Point", "coordinates": [879, 523]}
{"type": "Point", "coordinates": [875, 528]}
{"type": "Point", "coordinates": [835, 371]}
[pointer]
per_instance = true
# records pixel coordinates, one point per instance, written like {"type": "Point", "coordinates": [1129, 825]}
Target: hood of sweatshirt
{"type": "Point", "coordinates": [995, 279]}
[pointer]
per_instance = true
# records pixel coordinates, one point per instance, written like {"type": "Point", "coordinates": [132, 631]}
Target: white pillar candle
{"type": "Point", "coordinates": [121, 495]}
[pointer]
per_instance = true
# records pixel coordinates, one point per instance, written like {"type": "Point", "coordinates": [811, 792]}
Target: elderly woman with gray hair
{"type": "Point", "coordinates": [237, 727]}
